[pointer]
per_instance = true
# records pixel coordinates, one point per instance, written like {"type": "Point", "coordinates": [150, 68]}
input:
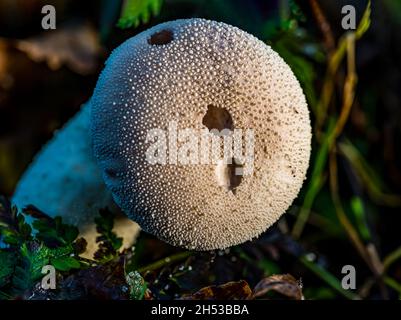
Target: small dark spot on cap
{"type": "Point", "coordinates": [112, 174]}
{"type": "Point", "coordinates": [217, 118]}
{"type": "Point", "coordinates": [161, 37]}
{"type": "Point", "coordinates": [235, 174]}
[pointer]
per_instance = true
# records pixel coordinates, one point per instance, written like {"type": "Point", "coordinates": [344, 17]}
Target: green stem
{"type": "Point", "coordinates": [391, 258]}
{"type": "Point", "coordinates": [328, 278]}
{"type": "Point", "coordinates": [393, 284]}
{"type": "Point", "coordinates": [316, 180]}
{"type": "Point", "coordinates": [165, 261]}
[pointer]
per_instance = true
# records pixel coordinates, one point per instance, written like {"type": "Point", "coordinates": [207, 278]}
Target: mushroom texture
{"type": "Point", "coordinates": [200, 74]}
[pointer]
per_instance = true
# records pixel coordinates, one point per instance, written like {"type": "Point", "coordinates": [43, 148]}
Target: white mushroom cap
{"type": "Point", "coordinates": [64, 180]}
{"type": "Point", "coordinates": [201, 74]}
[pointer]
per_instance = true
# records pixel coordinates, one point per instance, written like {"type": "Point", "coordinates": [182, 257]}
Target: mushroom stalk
{"type": "Point", "coordinates": [64, 180]}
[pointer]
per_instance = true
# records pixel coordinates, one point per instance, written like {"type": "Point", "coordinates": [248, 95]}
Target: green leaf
{"type": "Point", "coordinates": [105, 222]}
{"type": "Point", "coordinates": [13, 228]}
{"type": "Point", "coordinates": [65, 263]}
{"type": "Point", "coordinates": [7, 263]}
{"type": "Point", "coordinates": [61, 251]}
{"type": "Point", "coordinates": [35, 258]}
{"type": "Point", "coordinates": [24, 228]}
{"type": "Point", "coordinates": [47, 233]}
{"type": "Point", "coordinates": [29, 269]}
{"type": "Point", "coordinates": [66, 232]}
{"type": "Point", "coordinates": [108, 241]}
{"type": "Point", "coordinates": [9, 236]}
{"type": "Point", "coordinates": [136, 11]}
{"type": "Point", "coordinates": [136, 284]}
{"type": "Point", "coordinates": [53, 232]}
{"type": "Point", "coordinates": [359, 213]}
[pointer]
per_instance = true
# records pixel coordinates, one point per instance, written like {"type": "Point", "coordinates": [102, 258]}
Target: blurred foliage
{"type": "Point", "coordinates": [25, 250]}
{"type": "Point", "coordinates": [348, 208]}
{"type": "Point", "coordinates": [135, 12]}
{"type": "Point", "coordinates": [108, 241]}
{"type": "Point", "coordinates": [24, 253]}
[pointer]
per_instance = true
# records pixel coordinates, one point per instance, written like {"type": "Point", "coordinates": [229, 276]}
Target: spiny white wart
{"type": "Point", "coordinates": [201, 74]}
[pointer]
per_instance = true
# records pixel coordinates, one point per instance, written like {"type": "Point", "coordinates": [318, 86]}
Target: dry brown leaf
{"type": "Point", "coordinates": [284, 284]}
{"type": "Point", "coordinates": [239, 290]}
{"type": "Point", "coordinates": [102, 282]}
{"type": "Point", "coordinates": [75, 45]}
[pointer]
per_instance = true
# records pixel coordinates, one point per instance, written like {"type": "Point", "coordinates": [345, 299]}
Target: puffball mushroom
{"type": "Point", "coordinates": [200, 74]}
{"type": "Point", "coordinates": [64, 180]}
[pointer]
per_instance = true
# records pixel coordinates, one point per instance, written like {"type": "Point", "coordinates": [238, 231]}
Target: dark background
{"type": "Point", "coordinates": [38, 95]}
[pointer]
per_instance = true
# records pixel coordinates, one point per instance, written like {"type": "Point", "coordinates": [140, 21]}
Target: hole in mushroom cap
{"type": "Point", "coordinates": [217, 118]}
{"type": "Point", "coordinates": [112, 174]}
{"type": "Point", "coordinates": [229, 175]}
{"type": "Point", "coordinates": [161, 37]}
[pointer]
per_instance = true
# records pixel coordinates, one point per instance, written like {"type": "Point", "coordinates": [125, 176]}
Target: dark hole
{"type": "Point", "coordinates": [161, 37]}
{"type": "Point", "coordinates": [234, 175]}
{"type": "Point", "coordinates": [217, 118]}
{"type": "Point", "coordinates": [111, 173]}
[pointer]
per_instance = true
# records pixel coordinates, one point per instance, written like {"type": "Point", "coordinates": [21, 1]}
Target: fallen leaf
{"type": "Point", "coordinates": [239, 290]}
{"type": "Point", "coordinates": [285, 284]}
{"type": "Point", "coordinates": [75, 45]}
{"type": "Point", "coordinates": [102, 282]}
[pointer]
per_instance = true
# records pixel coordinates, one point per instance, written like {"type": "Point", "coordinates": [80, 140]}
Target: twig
{"type": "Point", "coordinates": [316, 181]}
{"type": "Point", "coordinates": [346, 45]}
{"type": "Point", "coordinates": [391, 258]}
{"type": "Point", "coordinates": [328, 278]}
{"type": "Point", "coordinates": [348, 227]}
{"type": "Point", "coordinates": [335, 60]}
{"type": "Point", "coordinates": [367, 175]}
{"type": "Point", "coordinates": [349, 85]}
{"type": "Point", "coordinates": [165, 261]}
{"type": "Point", "coordinates": [328, 84]}
{"type": "Point", "coordinates": [324, 26]}
{"type": "Point", "coordinates": [369, 252]}
{"type": "Point", "coordinates": [393, 284]}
